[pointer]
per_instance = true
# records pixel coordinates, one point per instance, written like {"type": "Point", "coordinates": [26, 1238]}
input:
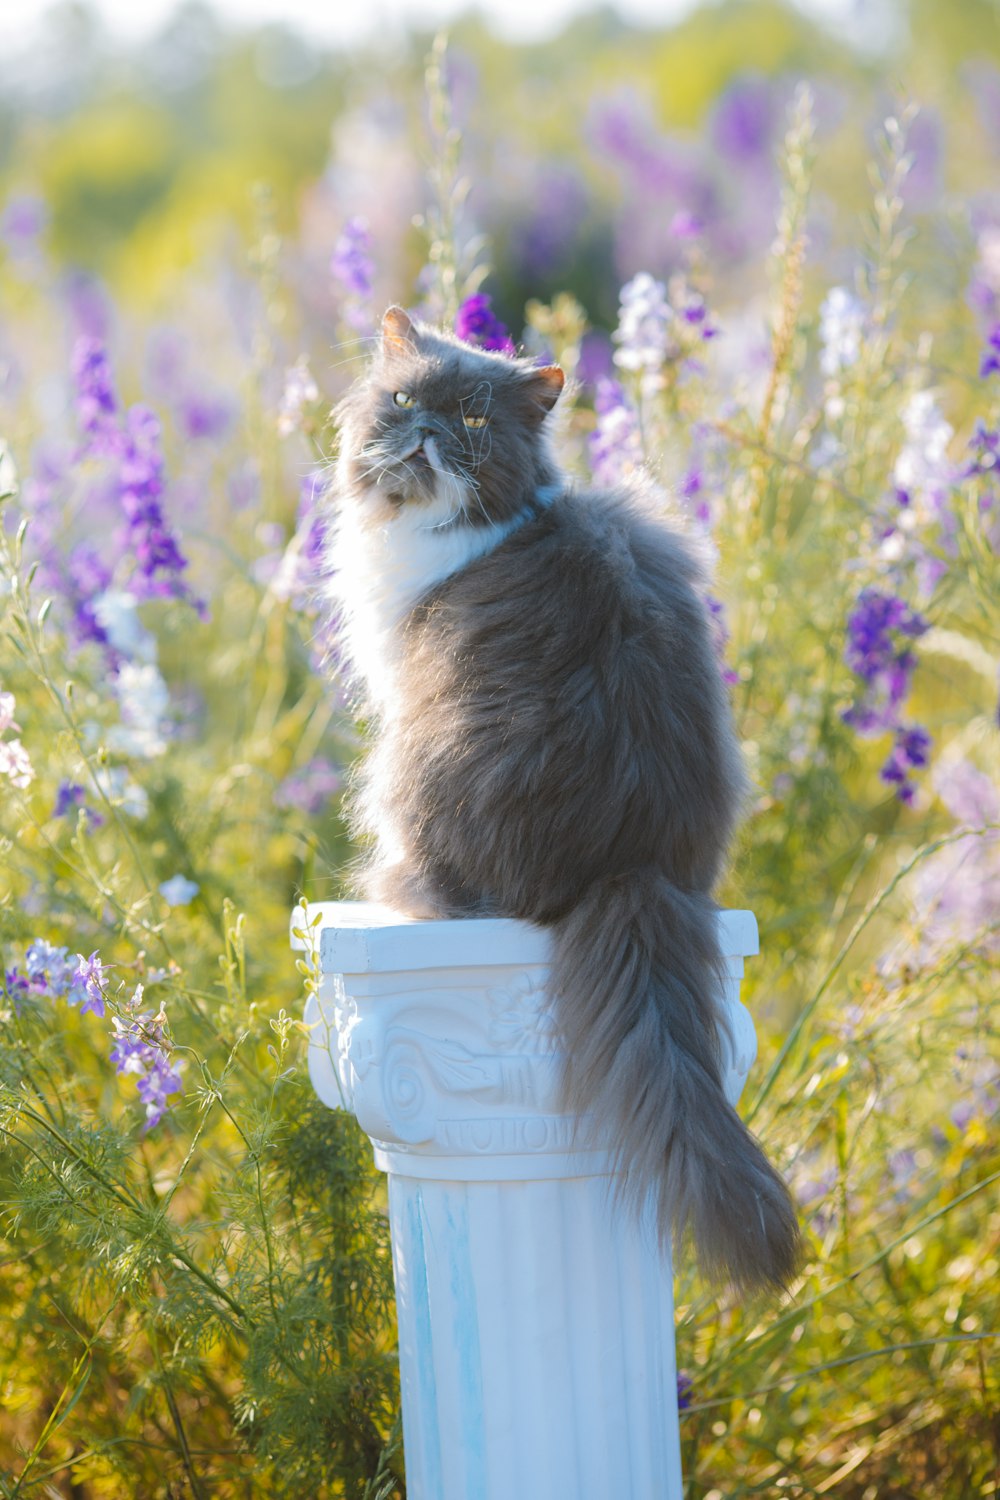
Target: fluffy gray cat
{"type": "Point", "coordinates": [553, 743]}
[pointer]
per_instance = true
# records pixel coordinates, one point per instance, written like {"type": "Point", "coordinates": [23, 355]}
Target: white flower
{"type": "Point", "coordinates": [841, 325]}
{"type": "Point", "coordinates": [922, 468]}
{"type": "Point", "coordinates": [15, 764]}
{"type": "Point", "coordinates": [7, 706]}
{"type": "Point", "coordinates": [179, 891]}
{"type": "Point", "coordinates": [144, 698]}
{"type": "Point", "coordinates": [644, 319]}
{"type": "Point", "coordinates": [116, 612]}
{"type": "Point", "coordinates": [8, 471]}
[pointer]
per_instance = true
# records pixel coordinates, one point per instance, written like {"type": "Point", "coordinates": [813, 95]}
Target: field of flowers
{"type": "Point", "coordinates": [776, 287]}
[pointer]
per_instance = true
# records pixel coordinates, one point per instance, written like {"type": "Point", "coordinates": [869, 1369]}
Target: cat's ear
{"type": "Point", "coordinates": [545, 386]}
{"type": "Point", "coordinates": [397, 332]}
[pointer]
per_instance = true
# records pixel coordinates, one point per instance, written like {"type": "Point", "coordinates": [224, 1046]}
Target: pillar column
{"type": "Point", "coordinates": [536, 1336]}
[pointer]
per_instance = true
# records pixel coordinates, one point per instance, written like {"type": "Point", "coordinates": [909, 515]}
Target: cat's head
{"type": "Point", "coordinates": [440, 424]}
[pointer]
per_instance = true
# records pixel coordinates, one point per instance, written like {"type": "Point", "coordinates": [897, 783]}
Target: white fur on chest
{"type": "Point", "coordinates": [380, 571]}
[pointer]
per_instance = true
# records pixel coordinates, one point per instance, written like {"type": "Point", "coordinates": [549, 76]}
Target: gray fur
{"type": "Point", "coordinates": [560, 750]}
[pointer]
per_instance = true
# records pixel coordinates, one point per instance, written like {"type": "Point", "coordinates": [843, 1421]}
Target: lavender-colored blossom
{"type": "Point", "coordinates": [720, 637]}
{"type": "Point", "coordinates": [879, 631]}
{"type": "Point", "coordinates": [204, 416]}
{"type": "Point", "coordinates": [71, 797]}
{"type": "Point", "coordinates": [89, 974]}
{"type": "Point", "coordinates": [300, 392]}
{"type": "Point", "coordinates": [310, 789]}
{"type": "Point", "coordinates": [685, 1388]}
{"type": "Point", "coordinates": [88, 304]}
{"type": "Point", "coordinates": [351, 260]}
{"type": "Point", "coordinates": [353, 267]}
{"type": "Point", "coordinates": [132, 444]}
{"type": "Point", "coordinates": [24, 220]}
{"type": "Point", "coordinates": [686, 226]}
{"type": "Point", "coordinates": [16, 987]}
{"type": "Point", "coordinates": [557, 202]}
{"type": "Point", "coordinates": [97, 405]}
{"type": "Point", "coordinates": [179, 890]}
{"type": "Point", "coordinates": [157, 556]}
{"type": "Point", "coordinates": [653, 168]}
{"type": "Point", "coordinates": [476, 323]}
{"type": "Point", "coordinates": [54, 970]}
{"type": "Point", "coordinates": [155, 1088]}
{"type": "Point", "coordinates": [743, 120]}
{"type": "Point", "coordinates": [910, 751]}
{"type": "Point", "coordinates": [299, 573]}
{"type": "Point", "coordinates": [705, 476]}
{"type": "Point", "coordinates": [140, 1050]}
{"type": "Point", "coordinates": [842, 323]}
{"type": "Point", "coordinates": [956, 892]}
{"type": "Point", "coordinates": [596, 362]}
{"type": "Point", "coordinates": [86, 577]}
{"type": "Point", "coordinates": [615, 444]}
{"type": "Point", "coordinates": [990, 364]}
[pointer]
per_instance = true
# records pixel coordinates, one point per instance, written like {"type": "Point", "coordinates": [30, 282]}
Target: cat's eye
{"type": "Point", "coordinates": [403, 398]}
{"type": "Point", "coordinates": [475, 422]}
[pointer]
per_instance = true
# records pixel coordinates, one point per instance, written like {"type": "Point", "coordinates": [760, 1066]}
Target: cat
{"type": "Point", "coordinates": [553, 744]}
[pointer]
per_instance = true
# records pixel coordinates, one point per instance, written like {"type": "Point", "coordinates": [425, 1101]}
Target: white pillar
{"type": "Point", "coordinates": [536, 1336]}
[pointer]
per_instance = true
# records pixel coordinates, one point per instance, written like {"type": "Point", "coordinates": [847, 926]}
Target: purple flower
{"type": "Point", "coordinates": [24, 220]}
{"type": "Point", "coordinates": [477, 324]}
{"type": "Point", "coordinates": [132, 443]}
{"type": "Point", "coordinates": [51, 969]}
{"type": "Point", "coordinates": [615, 444]}
{"type": "Point", "coordinates": [89, 973]}
{"type": "Point", "coordinates": [310, 789]}
{"type": "Point", "coordinates": [159, 1083]}
{"type": "Point", "coordinates": [70, 795]}
{"type": "Point", "coordinates": [743, 121]}
{"type": "Point", "coordinates": [877, 650]}
{"type": "Point", "coordinates": [685, 1386]}
{"type": "Point", "coordinates": [956, 893]}
{"type": "Point", "coordinates": [203, 415]}
{"type": "Point", "coordinates": [16, 987]}
{"type": "Point", "coordinates": [86, 578]}
{"type": "Point", "coordinates": [990, 364]}
{"type": "Point", "coordinates": [141, 1050]}
{"type": "Point", "coordinates": [351, 261]}
{"type": "Point", "coordinates": [352, 266]}
{"type": "Point", "coordinates": [909, 751]}
{"type": "Point", "coordinates": [97, 406]}
{"type": "Point", "coordinates": [720, 636]}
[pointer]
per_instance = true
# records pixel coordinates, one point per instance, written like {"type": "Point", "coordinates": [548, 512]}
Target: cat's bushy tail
{"type": "Point", "coordinates": [638, 980]}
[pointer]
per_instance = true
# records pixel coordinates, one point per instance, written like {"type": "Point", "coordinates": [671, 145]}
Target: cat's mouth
{"type": "Point", "coordinates": [419, 466]}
